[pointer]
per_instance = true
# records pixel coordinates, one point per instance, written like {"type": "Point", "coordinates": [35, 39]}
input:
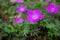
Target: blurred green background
{"type": "Point", "coordinates": [47, 29]}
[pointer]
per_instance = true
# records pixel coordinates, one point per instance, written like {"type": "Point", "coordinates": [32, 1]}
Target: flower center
{"type": "Point", "coordinates": [22, 9]}
{"type": "Point", "coordinates": [52, 10]}
{"type": "Point", "coordinates": [34, 17]}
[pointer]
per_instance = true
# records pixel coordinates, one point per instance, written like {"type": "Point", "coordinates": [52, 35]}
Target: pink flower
{"type": "Point", "coordinates": [34, 16]}
{"type": "Point", "coordinates": [19, 1]}
{"type": "Point", "coordinates": [18, 20]}
{"type": "Point", "coordinates": [21, 8]}
{"type": "Point", "coordinates": [53, 9]}
{"type": "Point", "coordinates": [33, 12]}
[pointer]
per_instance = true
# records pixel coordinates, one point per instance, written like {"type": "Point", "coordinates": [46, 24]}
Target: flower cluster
{"type": "Point", "coordinates": [35, 15]}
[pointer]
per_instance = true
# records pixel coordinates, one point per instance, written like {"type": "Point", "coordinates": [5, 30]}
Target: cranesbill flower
{"type": "Point", "coordinates": [53, 9]}
{"type": "Point", "coordinates": [22, 8]}
{"type": "Point", "coordinates": [19, 1]}
{"type": "Point", "coordinates": [34, 16]}
{"type": "Point", "coordinates": [34, 12]}
{"type": "Point", "coordinates": [18, 20]}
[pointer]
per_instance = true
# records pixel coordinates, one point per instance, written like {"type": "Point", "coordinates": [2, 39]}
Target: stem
{"type": "Point", "coordinates": [9, 37]}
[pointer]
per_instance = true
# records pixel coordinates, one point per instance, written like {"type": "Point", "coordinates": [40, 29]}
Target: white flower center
{"type": "Point", "coordinates": [34, 17]}
{"type": "Point", "coordinates": [22, 9]}
{"type": "Point", "coordinates": [52, 10]}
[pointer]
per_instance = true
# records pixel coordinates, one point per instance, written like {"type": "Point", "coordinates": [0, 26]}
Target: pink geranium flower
{"type": "Point", "coordinates": [22, 8]}
{"type": "Point", "coordinates": [34, 16]}
{"type": "Point", "coordinates": [19, 1]}
{"type": "Point", "coordinates": [18, 20]}
{"type": "Point", "coordinates": [53, 9]}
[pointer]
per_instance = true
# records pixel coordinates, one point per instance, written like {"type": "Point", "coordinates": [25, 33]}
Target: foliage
{"type": "Point", "coordinates": [21, 30]}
